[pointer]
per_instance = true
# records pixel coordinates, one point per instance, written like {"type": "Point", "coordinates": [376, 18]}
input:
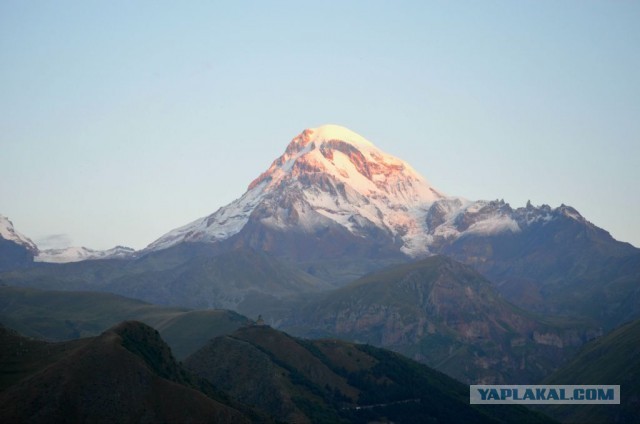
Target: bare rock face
{"type": "Point", "coordinates": [556, 262]}
{"type": "Point", "coordinates": [445, 314]}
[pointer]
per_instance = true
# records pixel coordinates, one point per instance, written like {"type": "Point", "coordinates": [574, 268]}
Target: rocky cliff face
{"type": "Point", "coordinates": [554, 261]}
{"type": "Point", "coordinates": [444, 314]}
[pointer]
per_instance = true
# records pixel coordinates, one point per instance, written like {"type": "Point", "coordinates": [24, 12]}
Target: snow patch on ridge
{"type": "Point", "coordinates": [494, 225]}
{"type": "Point", "coordinates": [77, 254]}
{"type": "Point", "coordinates": [337, 132]}
{"type": "Point", "coordinates": [220, 225]}
{"type": "Point", "coordinates": [8, 232]}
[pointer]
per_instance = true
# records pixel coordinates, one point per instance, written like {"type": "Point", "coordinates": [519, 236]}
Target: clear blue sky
{"type": "Point", "coordinates": [120, 120]}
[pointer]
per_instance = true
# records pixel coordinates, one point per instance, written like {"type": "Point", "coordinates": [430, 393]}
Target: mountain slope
{"type": "Point", "coordinates": [16, 250]}
{"type": "Point", "coordinates": [331, 180]}
{"type": "Point", "coordinates": [58, 316]}
{"type": "Point", "coordinates": [447, 315]}
{"type": "Point", "coordinates": [333, 381]}
{"type": "Point", "coordinates": [611, 359]}
{"type": "Point", "coordinates": [554, 262]}
{"type": "Point", "coordinates": [338, 207]}
{"type": "Point", "coordinates": [127, 374]}
{"type": "Point", "coordinates": [75, 254]}
{"type": "Point", "coordinates": [194, 275]}
{"type": "Point", "coordinates": [242, 279]}
{"type": "Point", "coordinates": [328, 177]}
{"type": "Point", "coordinates": [8, 232]}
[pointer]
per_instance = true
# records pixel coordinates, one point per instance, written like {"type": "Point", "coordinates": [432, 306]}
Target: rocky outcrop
{"type": "Point", "coordinates": [446, 315]}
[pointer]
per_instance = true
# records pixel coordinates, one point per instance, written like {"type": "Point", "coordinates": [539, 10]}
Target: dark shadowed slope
{"type": "Point", "coordinates": [611, 359]}
{"type": "Point", "coordinates": [60, 315]}
{"type": "Point", "coordinates": [334, 381]}
{"type": "Point", "coordinates": [14, 256]}
{"type": "Point", "coordinates": [127, 374]}
{"type": "Point", "coordinates": [557, 262]}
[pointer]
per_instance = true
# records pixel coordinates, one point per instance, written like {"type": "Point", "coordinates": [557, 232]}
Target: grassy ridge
{"type": "Point", "coordinates": [126, 374]}
{"type": "Point", "coordinates": [58, 315]}
{"type": "Point", "coordinates": [611, 359]}
{"type": "Point", "coordinates": [447, 315]}
{"type": "Point", "coordinates": [334, 381]}
{"type": "Point", "coordinates": [194, 276]}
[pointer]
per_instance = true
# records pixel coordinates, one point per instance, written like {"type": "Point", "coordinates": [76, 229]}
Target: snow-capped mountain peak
{"type": "Point", "coordinates": [330, 180]}
{"type": "Point", "coordinates": [326, 175]}
{"type": "Point", "coordinates": [331, 132]}
{"type": "Point", "coordinates": [350, 159]}
{"type": "Point", "coordinates": [8, 232]}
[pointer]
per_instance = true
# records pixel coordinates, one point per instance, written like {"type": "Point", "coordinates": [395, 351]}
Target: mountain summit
{"type": "Point", "coordinates": [328, 176]}
{"type": "Point", "coordinates": [337, 207]}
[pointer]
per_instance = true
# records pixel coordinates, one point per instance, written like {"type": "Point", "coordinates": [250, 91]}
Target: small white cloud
{"type": "Point", "coordinates": [54, 241]}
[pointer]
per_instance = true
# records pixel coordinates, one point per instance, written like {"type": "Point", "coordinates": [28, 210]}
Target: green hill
{"type": "Point", "coordinates": [62, 315]}
{"type": "Point", "coordinates": [611, 359]}
{"type": "Point", "coordinates": [127, 374]}
{"type": "Point", "coordinates": [195, 276]}
{"type": "Point", "coordinates": [445, 314]}
{"type": "Point", "coordinates": [333, 381]}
